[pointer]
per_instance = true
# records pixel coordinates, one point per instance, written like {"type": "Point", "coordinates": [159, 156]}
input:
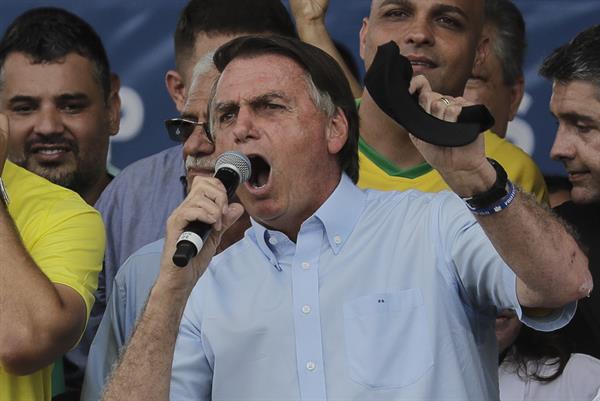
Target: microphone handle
{"type": "Point", "coordinates": [190, 242]}
{"type": "Point", "coordinates": [192, 239]}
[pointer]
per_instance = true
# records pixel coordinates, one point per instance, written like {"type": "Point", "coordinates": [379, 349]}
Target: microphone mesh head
{"type": "Point", "coordinates": [236, 161]}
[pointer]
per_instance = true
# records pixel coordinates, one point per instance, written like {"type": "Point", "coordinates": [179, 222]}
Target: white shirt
{"type": "Point", "coordinates": [579, 381]}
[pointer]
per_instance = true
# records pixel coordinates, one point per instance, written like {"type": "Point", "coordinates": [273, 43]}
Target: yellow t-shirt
{"type": "Point", "coordinates": [65, 237]}
{"type": "Point", "coordinates": [378, 173]}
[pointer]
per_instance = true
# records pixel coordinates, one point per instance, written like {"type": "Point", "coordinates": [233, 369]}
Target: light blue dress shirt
{"type": "Point", "coordinates": [131, 289]}
{"type": "Point", "coordinates": [384, 296]}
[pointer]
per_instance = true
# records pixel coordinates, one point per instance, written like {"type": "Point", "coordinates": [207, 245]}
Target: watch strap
{"type": "Point", "coordinates": [497, 191]}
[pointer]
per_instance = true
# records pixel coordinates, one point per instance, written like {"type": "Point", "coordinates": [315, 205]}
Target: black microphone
{"type": "Point", "coordinates": [232, 169]}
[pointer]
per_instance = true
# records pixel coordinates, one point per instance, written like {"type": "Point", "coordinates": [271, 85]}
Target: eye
{"type": "Point", "coordinates": [23, 108]}
{"type": "Point", "coordinates": [450, 22]}
{"type": "Point", "coordinates": [395, 13]}
{"type": "Point", "coordinates": [272, 106]}
{"type": "Point", "coordinates": [73, 107]}
{"type": "Point", "coordinates": [583, 129]}
{"type": "Point", "coordinates": [225, 118]}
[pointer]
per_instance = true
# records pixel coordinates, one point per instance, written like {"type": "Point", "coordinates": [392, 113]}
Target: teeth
{"type": "Point", "coordinates": [51, 151]}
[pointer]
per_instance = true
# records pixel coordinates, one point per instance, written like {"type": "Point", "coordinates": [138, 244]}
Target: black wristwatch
{"type": "Point", "coordinates": [495, 193]}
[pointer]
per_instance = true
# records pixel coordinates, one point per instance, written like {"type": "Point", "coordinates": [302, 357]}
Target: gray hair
{"type": "Point", "coordinates": [202, 67]}
{"type": "Point", "coordinates": [578, 60]}
{"type": "Point", "coordinates": [508, 41]}
{"type": "Point", "coordinates": [321, 99]}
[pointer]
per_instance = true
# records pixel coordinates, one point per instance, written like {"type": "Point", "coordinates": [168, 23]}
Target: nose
{"type": "Point", "coordinates": [245, 127]}
{"type": "Point", "coordinates": [562, 148]}
{"type": "Point", "coordinates": [198, 143]}
{"type": "Point", "coordinates": [419, 32]}
{"type": "Point", "coordinates": [49, 121]}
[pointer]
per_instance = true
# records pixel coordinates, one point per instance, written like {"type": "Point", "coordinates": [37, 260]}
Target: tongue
{"type": "Point", "coordinates": [261, 178]}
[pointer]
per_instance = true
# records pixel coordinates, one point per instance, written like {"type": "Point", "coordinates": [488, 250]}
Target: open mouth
{"type": "Point", "coordinates": [261, 170]}
{"type": "Point", "coordinates": [51, 151]}
{"type": "Point", "coordinates": [48, 149]}
{"type": "Point", "coordinates": [420, 62]}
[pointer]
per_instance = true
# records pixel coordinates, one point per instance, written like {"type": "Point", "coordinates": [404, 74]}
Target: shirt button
{"type": "Point", "coordinates": [337, 239]}
{"type": "Point", "coordinates": [305, 265]}
{"type": "Point", "coordinates": [306, 309]}
{"type": "Point", "coordinates": [311, 366]}
{"type": "Point", "coordinates": [273, 241]}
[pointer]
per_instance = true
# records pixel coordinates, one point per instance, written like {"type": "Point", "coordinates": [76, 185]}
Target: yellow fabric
{"type": "Point", "coordinates": [518, 165]}
{"type": "Point", "coordinates": [65, 237]}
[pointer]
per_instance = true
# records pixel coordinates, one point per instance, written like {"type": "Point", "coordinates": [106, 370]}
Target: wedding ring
{"type": "Point", "coordinates": [446, 101]}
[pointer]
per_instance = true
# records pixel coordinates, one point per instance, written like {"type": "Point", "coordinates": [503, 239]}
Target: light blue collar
{"type": "Point", "coordinates": [338, 215]}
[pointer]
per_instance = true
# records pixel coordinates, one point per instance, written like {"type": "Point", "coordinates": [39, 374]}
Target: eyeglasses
{"type": "Point", "coordinates": [180, 129]}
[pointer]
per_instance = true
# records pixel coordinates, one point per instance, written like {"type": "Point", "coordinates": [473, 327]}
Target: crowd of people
{"type": "Point", "coordinates": [358, 262]}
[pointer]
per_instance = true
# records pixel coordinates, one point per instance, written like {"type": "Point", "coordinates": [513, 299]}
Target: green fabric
{"type": "Point", "coordinates": [386, 165]}
{"type": "Point", "coordinates": [389, 167]}
{"type": "Point", "coordinates": [58, 378]}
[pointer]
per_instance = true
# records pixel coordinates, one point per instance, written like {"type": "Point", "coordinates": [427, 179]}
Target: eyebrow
{"type": "Point", "coordinates": [573, 117]}
{"type": "Point", "coordinates": [63, 97]}
{"type": "Point", "coordinates": [448, 9]}
{"type": "Point", "coordinates": [395, 2]}
{"type": "Point", "coordinates": [233, 105]}
{"type": "Point", "coordinates": [405, 3]}
{"type": "Point", "coordinates": [72, 96]}
{"type": "Point", "coordinates": [439, 8]}
{"type": "Point", "coordinates": [22, 98]}
{"type": "Point", "coordinates": [268, 96]}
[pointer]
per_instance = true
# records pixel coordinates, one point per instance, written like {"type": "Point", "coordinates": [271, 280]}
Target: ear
{"type": "Point", "coordinates": [337, 132]}
{"type": "Point", "coordinates": [364, 29]}
{"type": "Point", "coordinates": [516, 95]}
{"type": "Point", "coordinates": [114, 104]}
{"type": "Point", "coordinates": [481, 51]}
{"type": "Point", "coordinates": [176, 88]}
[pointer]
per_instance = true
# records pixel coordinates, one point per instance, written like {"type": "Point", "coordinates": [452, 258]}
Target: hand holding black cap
{"type": "Point", "coordinates": [388, 80]}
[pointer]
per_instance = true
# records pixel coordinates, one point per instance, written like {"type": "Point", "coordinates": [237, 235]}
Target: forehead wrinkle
{"type": "Point", "coordinates": [275, 94]}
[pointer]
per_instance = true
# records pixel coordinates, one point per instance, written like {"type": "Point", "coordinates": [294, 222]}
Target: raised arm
{"type": "Point", "coordinates": [41, 320]}
{"type": "Point", "coordinates": [144, 372]}
{"type": "Point", "coordinates": [551, 269]}
{"type": "Point", "coordinates": [310, 23]}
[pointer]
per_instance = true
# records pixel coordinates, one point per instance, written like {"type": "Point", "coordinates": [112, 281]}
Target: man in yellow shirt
{"type": "Point", "coordinates": [51, 248]}
{"type": "Point", "coordinates": [443, 40]}
{"type": "Point", "coordinates": [61, 99]}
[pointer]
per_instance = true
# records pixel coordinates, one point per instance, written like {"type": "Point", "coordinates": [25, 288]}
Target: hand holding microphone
{"type": "Point", "coordinates": [232, 169]}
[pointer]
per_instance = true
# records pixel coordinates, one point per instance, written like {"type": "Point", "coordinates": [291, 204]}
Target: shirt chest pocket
{"type": "Point", "coordinates": [388, 344]}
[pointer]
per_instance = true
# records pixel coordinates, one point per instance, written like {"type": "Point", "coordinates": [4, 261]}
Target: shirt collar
{"type": "Point", "coordinates": [341, 211]}
{"type": "Point", "coordinates": [338, 215]}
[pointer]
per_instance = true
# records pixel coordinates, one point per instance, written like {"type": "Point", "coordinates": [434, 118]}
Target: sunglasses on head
{"type": "Point", "coordinates": [180, 129]}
